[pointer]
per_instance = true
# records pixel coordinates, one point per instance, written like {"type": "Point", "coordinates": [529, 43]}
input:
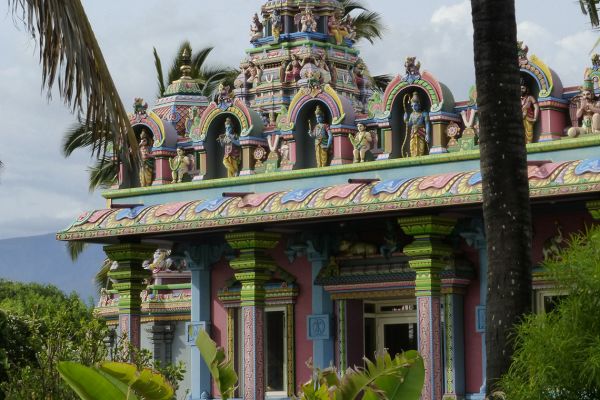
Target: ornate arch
{"type": "Point", "coordinates": [250, 121]}
{"type": "Point", "coordinates": [337, 106]}
{"type": "Point", "coordinates": [540, 72]}
{"type": "Point", "coordinates": [153, 122]}
{"type": "Point", "coordinates": [425, 81]}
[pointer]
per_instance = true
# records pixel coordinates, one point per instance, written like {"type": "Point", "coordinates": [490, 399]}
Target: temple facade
{"type": "Point", "coordinates": [306, 213]}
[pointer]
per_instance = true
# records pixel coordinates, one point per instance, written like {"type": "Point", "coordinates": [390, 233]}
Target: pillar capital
{"type": "Point", "coordinates": [427, 225]}
{"type": "Point", "coordinates": [129, 252]}
{"type": "Point", "coordinates": [253, 266]}
{"type": "Point", "coordinates": [594, 209]}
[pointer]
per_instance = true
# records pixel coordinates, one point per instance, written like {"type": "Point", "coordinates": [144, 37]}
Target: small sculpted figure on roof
{"type": "Point", "coordinates": [361, 141]}
{"type": "Point", "coordinates": [531, 110]}
{"type": "Point", "coordinates": [256, 28]}
{"type": "Point", "coordinates": [147, 162]}
{"type": "Point", "coordinates": [180, 166]}
{"type": "Point", "coordinates": [588, 111]}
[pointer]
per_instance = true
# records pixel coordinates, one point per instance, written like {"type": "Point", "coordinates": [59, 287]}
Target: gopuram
{"type": "Point", "coordinates": [303, 213]}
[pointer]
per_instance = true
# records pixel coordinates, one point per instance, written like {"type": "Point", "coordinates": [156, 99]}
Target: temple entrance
{"type": "Point", "coordinates": [391, 326]}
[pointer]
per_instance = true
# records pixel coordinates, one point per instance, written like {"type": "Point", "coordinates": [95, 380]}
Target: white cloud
{"type": "Point", "coordinates": [454, 15]}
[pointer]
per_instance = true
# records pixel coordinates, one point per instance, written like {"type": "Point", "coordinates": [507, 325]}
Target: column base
{"type": "Point", "coordinates": [549, 137]}
{"type": "Point", "coordinates": [438, 150]}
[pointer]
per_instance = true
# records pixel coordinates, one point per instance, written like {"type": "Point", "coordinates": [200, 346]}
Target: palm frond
{"type": "Point", "coordinates": [351, 5]}
{"type": "Point", "coordinates": [590, 7]}
{"type": "Point", "coordinates": [103, 174]}
{"type": "Point", "coordinates": [368, 26]}
{"type": "Point", "coordinates": [174, 71]}
{"type": "Point", "coordinates": [198, 60]}
{"type": "Point", "coordinates": [381, 81]}
{"type": "Point", "coordinates": [71, 57]}
{"type": "Point", "coordinates": [78, 136]}
{"type": "Point", "coordinates": [159, 74]}
{"type": "Point", "coordinates": [75, 249]}
{"type": "Point", "coordinates": [101, 278]}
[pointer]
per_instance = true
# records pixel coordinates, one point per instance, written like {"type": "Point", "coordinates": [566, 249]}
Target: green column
{"type": "Point", "coordinates": [428, 255]}
{"type": "Point", "coordinates": [129, 280]}
{"type": "Point", "coordinates": [253, 267]}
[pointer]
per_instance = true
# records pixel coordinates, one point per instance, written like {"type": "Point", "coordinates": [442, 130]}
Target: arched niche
{"type": "Point", "coordinates": [534, 89]}
{"type": "Point", "coordinates": [544, 79]}
{"type": "Point", "coordinates": [214, 150]}
{"type": "Point", "coordinates": [164, 135]}
{"type": "Point", "coordinates": [400, 105]}
{"type": "Point", "coordinates": [304, 144]}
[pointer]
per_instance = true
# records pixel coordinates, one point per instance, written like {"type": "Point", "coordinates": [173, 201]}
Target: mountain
{"type": "Point", "coordinates": [43, 259]}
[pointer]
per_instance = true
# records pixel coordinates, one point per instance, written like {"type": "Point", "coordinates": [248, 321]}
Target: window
{"type": "Point", "coordinates": [275, 351]}
{"type": "Point", "coordinates": [547, 300]}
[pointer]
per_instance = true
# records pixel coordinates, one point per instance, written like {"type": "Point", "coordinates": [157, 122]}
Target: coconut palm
{"type": "Point", "coordinates": [367, 23]}
{"type": "Point", "coordinates": [590, 7]}
{"type": "Point", "coordinates": [69, 54]}
{"type": "Point", "coordinates": [506, 209]}
{"type": "Point", "coordinates": [207, 76]}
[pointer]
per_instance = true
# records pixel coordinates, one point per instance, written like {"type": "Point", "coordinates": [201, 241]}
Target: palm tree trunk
{"type": "Point", "coordinates": [506, 208]}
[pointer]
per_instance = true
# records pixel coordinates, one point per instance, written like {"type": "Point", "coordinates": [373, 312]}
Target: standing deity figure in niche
{"type": "Point", "coordinates": [147, 162]}
{"type": "Point", "coordinates": [276, 25]}
{"type": "Point", "coordinates": [322, 136]}
{"type": "Point", "coordinates": [256, 28]}
{"type": "Point", "coordinates": [418, 127]}
{"type": "Point", "coordinates": [307, 20]}
{"type": "Point", "coordinates": [361, 141]}
{"type": "Point", "coordinates": [292, 70]}
{"type": "Point", "coordinates": [531, 110]}
{"type": "Point", "coordinates": [337, 29]}
{"type": "Point", "coordinates": [588, 110]}
{"type": "Point", "coordinates": [232, 155]}
{"type": "Point", "coordinates": [180, 166]}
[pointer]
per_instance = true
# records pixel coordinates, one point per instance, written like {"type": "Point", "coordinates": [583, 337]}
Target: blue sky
{"type": "Point", "coordinates": [41, 192]}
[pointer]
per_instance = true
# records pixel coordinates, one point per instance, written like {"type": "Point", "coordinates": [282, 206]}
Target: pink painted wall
{"type": "Point", "coordinates": [301, 269]}
{"type": "Point", "coordinates": [220, 273]}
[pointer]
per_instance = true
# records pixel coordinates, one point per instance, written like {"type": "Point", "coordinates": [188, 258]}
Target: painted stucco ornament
{"type": "Point", "coordinates": [323, 138]}
{"type": "Point", "coordinates": [276, 24]}
{"type": "Point", "coordinates": [340, 28]}
{"type": "Point", "coordinates": [588, 111]}
{"type": "Point", "coordinates": [418, 127]}
{"type": "Point", "coordinates": [306, 20]}
{"type": "Point", "coordinates": [256, 28]}
{"type": "Point", "coordinates": [224, 96]}
{"type": "Point", "coordinates": [180, 166]}
{"type": "Point", "coordinates": [147, 161]}
{"type": "Point", "coordinates": [362, 142]}
{"type": "Point", "coordinates": [531, 111]}
{"type": "Point", "coordinates": [412, 69]}
{"type": "Point", "coordinates": [140, 107]}
{"type": "Point", "coordinates": [232, 154]}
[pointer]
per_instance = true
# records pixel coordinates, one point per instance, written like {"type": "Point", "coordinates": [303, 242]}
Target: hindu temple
{"type": "Point", "coordinates": [305, 213]}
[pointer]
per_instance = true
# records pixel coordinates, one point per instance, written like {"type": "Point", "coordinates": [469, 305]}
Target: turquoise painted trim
{"type": "Point", "coordinates": [299, 43]}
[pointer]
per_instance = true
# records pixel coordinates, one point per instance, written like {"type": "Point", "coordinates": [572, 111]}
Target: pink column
{"type": "Point", "coordinates": [342, 149]}
{"type": "Point", "coordinates": [553, 117]}
{"type": "Point", "coordinates": [254, 352]}
{"type": "Point", "coordinates": [162, 171]}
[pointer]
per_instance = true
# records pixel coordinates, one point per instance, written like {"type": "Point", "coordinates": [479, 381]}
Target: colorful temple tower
{"type": "Point", "coordinates": [304, 214]}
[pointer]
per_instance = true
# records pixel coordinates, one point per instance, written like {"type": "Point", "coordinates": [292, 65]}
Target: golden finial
{"type": "Point", "coordinates": [185, 60]}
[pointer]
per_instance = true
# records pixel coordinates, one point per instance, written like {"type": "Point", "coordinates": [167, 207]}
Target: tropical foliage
{"type": "Point", "coordinates": [368, 24]}
{"type": "Point", "coordinates": [115, 381]}
{"type": "Point", "coordinates": [398, 378]}
{"type": "Point", "coordinates": [590, 7]}
{"type": "Point", "coordinates": [208, 76]}
{"type": "Point", "coordinates": [221, 369]}
{"type": "Point", "coordinates": [557, 354]}
{"type": "Point", "coordinates": [70, 55]}
{"type": "Point", "coordinates": [39, 326]}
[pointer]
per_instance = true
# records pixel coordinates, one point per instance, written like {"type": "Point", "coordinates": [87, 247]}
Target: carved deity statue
{"type": "Point", "coordinates": [232, 155]}
{"type": "Point", "coordinates": [412, 68]}
{"type": "Point", "coordinates": [253, 74]}
{"type": "Point", "coordinates": [339, 29]}
{"type": "Point", "coordinates": [256, 28]}
{"type": "Point", "coordinates": [588, 111]}
{"type": "Point", "coordinates": [307, 20]}
{"type": "Point", "coordinates": [139, 106]}
{"type": "Point", "coordinates": [180, 166]}
{"type": "Point", "coordinates": [276, 24]}
{"type": "Point", "coordinates": [418, 127]}
{"type": "Point", "coordinates": [147, 161]}
{"type": "Point", "coordinates": [323, 138]}
{"type": "Point", "coordinates": [530, 109]}
{"type": "Point", "coordinates": [224, 96]}
{"type": "Point", "coordinates": [361, 141]}
{"type": "Point", "coordinates": [292, 70]}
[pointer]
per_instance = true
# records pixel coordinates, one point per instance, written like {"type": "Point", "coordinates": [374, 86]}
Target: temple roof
{"type": "Point", "coordinates": [549, 179]}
